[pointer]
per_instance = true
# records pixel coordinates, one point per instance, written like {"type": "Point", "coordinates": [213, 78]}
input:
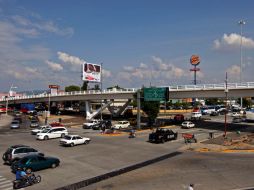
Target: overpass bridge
{"type": "Point", "coordinates": [107, 97]}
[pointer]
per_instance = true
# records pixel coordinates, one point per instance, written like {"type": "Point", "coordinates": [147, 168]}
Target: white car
{"type": "Point", "coordinates": [122, 125]}
{"type": "Point", "coordinates": [40, 129]}
{"type": "Point", "coordinates": [55, 132]}
{"type": "Point", "coordinates": [196, 115]}
{"type": "Point", "coordinates": [90, 124]}
{"type": "Point", "coordinates": [236, 114]}
{"type": "Point", "coordinates": [71, 140]}
{"type": "Point", "coordinates": [188, 124]}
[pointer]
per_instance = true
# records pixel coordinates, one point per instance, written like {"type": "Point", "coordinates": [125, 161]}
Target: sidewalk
{"type": "Point", "coordinates": [5, 120]}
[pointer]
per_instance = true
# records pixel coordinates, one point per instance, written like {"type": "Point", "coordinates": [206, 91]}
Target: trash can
{"type": "Point", "coordinates": [211, 135]}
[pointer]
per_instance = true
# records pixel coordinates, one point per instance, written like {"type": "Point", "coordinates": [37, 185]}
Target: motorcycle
{"type": "Point", "coordinates": [30, 180]}
{"type": "Point", "coordinates": [132, 135]}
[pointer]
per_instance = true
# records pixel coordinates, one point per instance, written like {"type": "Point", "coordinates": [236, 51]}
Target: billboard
{"type": "Point", "coordinates": [91, 72]}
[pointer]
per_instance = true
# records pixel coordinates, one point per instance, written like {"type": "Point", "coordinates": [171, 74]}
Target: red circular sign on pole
{"type": "Point", "coordinates": [195, 60]}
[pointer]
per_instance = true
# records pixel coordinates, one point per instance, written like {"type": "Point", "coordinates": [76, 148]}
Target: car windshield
{"type": "Point", "coordinates": [33, 121]}
{"type": "Point", "coordinates": [45, 130]}
{"type": "Point", "coordinates": [24, 160]}
{"type": "Point", "coordinates": [67, 137]}
{"type": "Point", "coordinates": [15, 122]}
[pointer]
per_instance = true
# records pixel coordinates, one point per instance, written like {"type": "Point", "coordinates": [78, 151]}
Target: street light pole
{"type": "Point", "coordinates": [241, 23]}
{"type": "Point", "coordinates": [226, 105]}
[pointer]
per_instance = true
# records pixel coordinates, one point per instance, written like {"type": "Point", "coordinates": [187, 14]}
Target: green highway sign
{"type": "Point", "coordinates": [155, 94]}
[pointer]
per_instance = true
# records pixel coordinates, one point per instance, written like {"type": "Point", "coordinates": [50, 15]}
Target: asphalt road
{"type": "Point", "coordinates": [107, 153]}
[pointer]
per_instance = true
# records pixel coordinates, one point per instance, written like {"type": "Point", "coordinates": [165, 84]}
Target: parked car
{"type": "Point", "coordinates": [40, 129]}
{"type": "Point", "coordinates": [34, 123]}
{"type": "Point", "coordinates": [162, 135]}
{"type": "Point", "coordinates": [16, 152]}
{"type": "Point", "coordinates": [236, 114]}
{"type": "Point", "coordinates": [90, 124]}
{"type": "Point", "coordinates": [55, 132]}
{"type": "Point", "coordinates": [56, 124]}
{"type": "Point", "coordinates": [122, 125]}
{"type": "Point", "coordinates": [237, 120]}
{"type": "Point", "coordinates": [15, 124]}
{"type": "Point", "coordinates": [71, 140]}
{"type": "Point", "coordinates": [35, 162]}
{"type": "Point", "coordinates": [214, 113]}
{"type": "Point", "coordinates": [105, 123]}
{"type": "Point", "coordinates": [188, 124]}
{"type": "Point", "coordinates": [18, 118]}
{"type": "Point", "coordinates": [196, 115]}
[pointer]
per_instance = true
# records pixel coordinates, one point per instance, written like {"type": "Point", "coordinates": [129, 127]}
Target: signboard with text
{"type": "Point", "coordinates": [156, 94]}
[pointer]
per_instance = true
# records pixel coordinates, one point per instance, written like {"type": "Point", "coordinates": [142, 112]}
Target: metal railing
{"type": "Point", "coordinates": [89, 92]}
{"type": "Point", "coordinates": [212, 86]}
{"type": "Point", "coordinates": [245, 85]}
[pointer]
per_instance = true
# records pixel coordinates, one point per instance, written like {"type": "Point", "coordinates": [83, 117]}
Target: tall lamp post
{"type": "Point", "coordinates": [241, 23]}
{"type": "Point", "coordinates": [7, 99]}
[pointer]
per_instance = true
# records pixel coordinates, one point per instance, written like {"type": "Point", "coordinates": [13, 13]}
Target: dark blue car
{"type": "Point", "coordinates": [36, 162]}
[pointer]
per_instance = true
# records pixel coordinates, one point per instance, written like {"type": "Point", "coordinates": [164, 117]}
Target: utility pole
{"type": "Point", "coordinates": [138, 111]}
{"type": "Point", "coordinates": [101, 91]}
{"type": "Point", "coordinates": [226, 105]}
{"type": "Point", "coordinates": [241, 23]}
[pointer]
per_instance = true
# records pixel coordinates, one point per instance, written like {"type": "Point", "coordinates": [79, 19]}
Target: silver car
{"type": "Point", "coordinates": [15, 124]}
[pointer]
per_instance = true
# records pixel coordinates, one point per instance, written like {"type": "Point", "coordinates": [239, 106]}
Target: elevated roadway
{"type": "Point", "coordinates": [175, 92]}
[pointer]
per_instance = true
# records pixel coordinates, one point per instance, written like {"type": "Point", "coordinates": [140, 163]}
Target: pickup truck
{"type": "Point", "coordinates": [162, 135]}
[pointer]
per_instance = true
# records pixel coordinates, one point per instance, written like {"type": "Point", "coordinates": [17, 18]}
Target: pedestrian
{"type": "Point", "coordinates": [191, 187]}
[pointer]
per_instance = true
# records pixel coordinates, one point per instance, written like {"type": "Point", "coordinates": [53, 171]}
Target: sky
{"type": "Point", "coordinates": [138, 42]}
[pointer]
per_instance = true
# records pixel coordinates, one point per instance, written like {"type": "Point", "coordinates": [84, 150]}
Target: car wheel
{"type": "Point", "coordinates": [53, 165]}
{"type": "Point", "coordinates": [46, 138]}
{"type": "Point", "coordinates": [38, 179]}
{"type": "Point", "coordinates": [86, 142]}
{"type": "Point", "coordinates": [162, 140]}
{"type": "Point", "coordinates": [72, 144]}
{"type": "Point", "coordinates": [62, 135]}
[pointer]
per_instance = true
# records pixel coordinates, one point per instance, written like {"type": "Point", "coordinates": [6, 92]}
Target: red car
{"type": "Point", "coordinates": [179, 117]}
{"type": "Point", "coordinates": [56, 124]}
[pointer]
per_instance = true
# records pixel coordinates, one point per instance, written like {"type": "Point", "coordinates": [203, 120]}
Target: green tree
{"type": "Point", "coordinates": [72, 88]}
{"type": "Point", "coordinates": [211, 101]}
{"type": "Point", "coordinates": [151, 108]}
{"type": "Point", "coordinates": [85, 85]}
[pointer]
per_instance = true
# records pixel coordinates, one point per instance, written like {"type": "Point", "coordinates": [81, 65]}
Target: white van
{"type": "Point", "coordinates": [55, 132]}
{"type": "Point", "coordinates": [196, 115]}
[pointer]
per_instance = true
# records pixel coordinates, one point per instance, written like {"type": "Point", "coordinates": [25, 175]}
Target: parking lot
{"type": "Point", "coordinates": [104, 153]}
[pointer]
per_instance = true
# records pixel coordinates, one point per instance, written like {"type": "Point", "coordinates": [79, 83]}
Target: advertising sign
{"type": "Point", "coordinates": [91, 72]}
{"type": "Point", "coordinates": [195, 60]}
{"type": "Point", "coordinates": [155, 94]}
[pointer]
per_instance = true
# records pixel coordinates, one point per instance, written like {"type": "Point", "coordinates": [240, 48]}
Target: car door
{"type": "Point", "coordinates": [54, 133]}
{"type": "Point", "coordinates": [34, 164]}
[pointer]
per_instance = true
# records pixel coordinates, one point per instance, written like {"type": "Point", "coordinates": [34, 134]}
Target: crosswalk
{"type": "Point", "coordinates": [6, 184]}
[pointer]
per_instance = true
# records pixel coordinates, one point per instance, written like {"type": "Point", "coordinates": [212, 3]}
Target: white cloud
{"type": "Point", "coordinates": [128, 68]}
{"type": "Point", "coordinates": [66, 58]}
{"type": "Point", "coordinates": [39, 24]}
{"type": "Point", "coordinates": [233, 40]}
{"type": "Point", "coordinates": [170, 70]}
{"type": "Point", "coordinates": [106, 73]}
{"type": "Point", "coordinates": [143, 66]}
{"type": "Point", "coordinates": [234, 70]}
{"type": "Point", "coordinates": [54, 66]}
